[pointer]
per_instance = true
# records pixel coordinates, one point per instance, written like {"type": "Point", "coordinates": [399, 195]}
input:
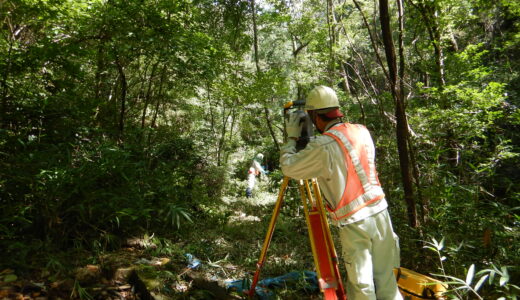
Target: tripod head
{"type": "Point", "coordinates": [307, 126]}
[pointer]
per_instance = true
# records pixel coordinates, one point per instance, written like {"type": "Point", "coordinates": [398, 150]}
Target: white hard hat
{"type": "Point", "coordinates": [260, 156]}
{"type": "Point", "coordinates": [321, 97]}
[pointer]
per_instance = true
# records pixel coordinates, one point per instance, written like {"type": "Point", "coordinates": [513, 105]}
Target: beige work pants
{"type": "Point", "coordinates": [371, 251]}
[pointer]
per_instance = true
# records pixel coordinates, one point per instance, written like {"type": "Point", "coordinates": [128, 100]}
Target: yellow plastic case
{"type": "Point", "coordinates": [415, 286]}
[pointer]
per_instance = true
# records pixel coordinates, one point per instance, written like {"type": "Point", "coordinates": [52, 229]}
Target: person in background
{"type": "Point", "coordinates": [254, 170]}
{"type": "Point", "coordinates": [343, 161]}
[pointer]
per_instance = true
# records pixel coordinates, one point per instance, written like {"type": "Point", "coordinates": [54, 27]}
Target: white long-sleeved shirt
{"type": "Point", "coordinates": [257, 166]}
{"type": "Point", "coordinates": [323, 159]}
{"type": "Point", "coordinates": [253, 170]}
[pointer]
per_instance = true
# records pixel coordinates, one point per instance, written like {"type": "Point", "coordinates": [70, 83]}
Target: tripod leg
{"type": "Point", "coordinates": [334, 257]}
{"type": "Point", "coordinates": [324, 254]}
{"type": "Point", "coordinates": [269, 236]}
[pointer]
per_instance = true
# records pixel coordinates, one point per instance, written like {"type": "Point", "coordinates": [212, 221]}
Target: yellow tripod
{"type": "Point", "coordinates": [322, 245]}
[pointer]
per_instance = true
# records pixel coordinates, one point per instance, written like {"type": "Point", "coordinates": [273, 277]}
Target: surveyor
{"type": "Point", "coordinates": [343, 161]}
{"type": "Point", "coordinates": [255, 169]}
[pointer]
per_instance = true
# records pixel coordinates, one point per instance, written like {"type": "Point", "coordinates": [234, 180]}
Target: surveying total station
{"type": "Point", "coordinates": [322, 245]}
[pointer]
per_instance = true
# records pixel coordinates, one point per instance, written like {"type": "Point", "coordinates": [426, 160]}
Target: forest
{"type": "Point", "coordinates": [127, 128]}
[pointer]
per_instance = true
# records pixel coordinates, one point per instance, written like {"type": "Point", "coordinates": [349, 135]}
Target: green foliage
{"type": "Point", "coordinates": [491, 282]}
{"type": "Point", "coordinates": [499, 280]}
{"type": "Point", "coordinates": [79, 292]}
{"type": "Point", "coordinates": [175, 214]}
{"type": "Point", "coordinates": [100, 192]}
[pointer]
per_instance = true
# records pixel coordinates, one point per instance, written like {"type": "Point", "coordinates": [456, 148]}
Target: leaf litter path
{"type": "Point", "coordinates": [152, 268]}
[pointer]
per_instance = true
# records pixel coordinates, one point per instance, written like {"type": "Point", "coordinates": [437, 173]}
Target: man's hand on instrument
{"type": "Point", "coordinates": [294, 124]}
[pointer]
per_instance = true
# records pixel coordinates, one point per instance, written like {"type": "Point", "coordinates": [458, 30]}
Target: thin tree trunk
{"type": "Point", "coordinates": [255, 36]}
{"type": "Point", "coordinates": [363, 116]}
{"type": "Point", "coordinates": [429, 15]}
{"type": "Point", "coordinates": [100, 65]}
{"type": "Point", "coordinates": [5, 76]}
{"type": "Point", "coordinates": [141, 80]}
{"type": "Point", "coordinates": [400, 9]}
{"type": "Point", "coordinates": [159, 96]}
{"type": "Point", "coordinates": [296, 51]}
{"type": "Point", "coordinates": [372, 39]}
{"type": "Point", "coordinates": [124, 86]}
{"type": "Point", "coordinates": [346, 87]}
{"type": "Point", "coordinates": [156, 113]}
{"type": "Point", "coordinates": [363, 65]}
{"type": "Point", "coordinates": [270, 126]}
{"type": "Point", "coordinates": [12, 34]}
{"type": "Point", "coordinates": [332, 39]}
{"type": "Point", "coordinates": [424, 205]}
{"type": "Point", "coordinates": [148, 96]}
{"type": "Point", "coordinates": [429, 12]}
{"type": "Point", "coordinates": [344, 74]}
{"type": "Point", "coordinates": [222, 139]}
{"type": "Point", "coordinates": [402, 126]}
{"type": "Point", "coordinates": [402, 70]}
{"type": "Point", "coordinates": [259, 73]}
{"type": "Point", "coordinates": [373, 99]}
{"type": "Point", "coordinates": [212, 115]}
{"type": "Point", "coordinates": [439, 58]}
{"type": "Point", "coordinates": [231, 130]}
{"type": "Point", "coordinates": [210, 108]}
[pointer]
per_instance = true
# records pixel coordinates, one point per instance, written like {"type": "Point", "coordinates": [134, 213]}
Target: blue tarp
{"type": "Point", "coordinates": [306, 279]}
{"type": "Point", "coordinates": [193, 262]}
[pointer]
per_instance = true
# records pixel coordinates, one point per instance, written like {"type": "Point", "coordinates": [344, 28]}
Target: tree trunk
{"type": "Point", "coordinates": [159, 95]}
{"type": "Point", "coordinates": [270, 126]}
{"type": "Point", "coordinates": [222, 139]}
{"type": "Point", "coordinates": [231, 129]}
{"type": "Point", "coordinates": [331, 23]}
{"type": "Point", "coordinates": [156, 112]}
{"type": "Point", "coordinates": [255, 36]}
{"type": "Point", "coordinates": [296, 51]}
{"type": "Point", "coordinates": [402, 126]}
{"type": "Point", "coordinates": [124, 86]}
{"type": "Point", "coordinates": [372, 39]}
{"type": "Point", "coordinates": [346, 86]}
{"type": "Point", "coordinates": [5, 76]}
{"type": "Point", "coordinates": [148, 96]}
{"type": "Point", "coordinates": [210, 109]}
{"type": "Point", "coordinates": [259, 73]}
{"type": "Point", "coordinates": [429, 14]}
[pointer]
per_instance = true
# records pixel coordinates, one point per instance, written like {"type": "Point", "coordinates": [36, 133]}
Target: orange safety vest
{"type": "Point", "coordinates": [362, 187]}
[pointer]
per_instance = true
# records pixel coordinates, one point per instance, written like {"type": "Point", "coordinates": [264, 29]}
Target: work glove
{"type": "Point", "coordinates": [294, 126]}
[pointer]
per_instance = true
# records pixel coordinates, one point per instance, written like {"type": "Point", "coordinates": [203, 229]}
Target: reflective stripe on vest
{"type": "Point", "coordinates": [362, 187]}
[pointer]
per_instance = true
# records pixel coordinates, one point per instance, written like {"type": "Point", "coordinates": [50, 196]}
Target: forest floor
{"type": "Point", "coordinates": [201, 264]}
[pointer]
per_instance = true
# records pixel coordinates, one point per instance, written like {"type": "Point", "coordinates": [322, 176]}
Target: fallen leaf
{"type": "Point", "coordinates": [10, 278]}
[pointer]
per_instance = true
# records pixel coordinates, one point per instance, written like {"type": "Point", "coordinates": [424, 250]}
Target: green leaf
{"type": "Point", "coordinates": [505, 276]}
{"type": "Point", "coordinates": [492, 274]}
{"type": "Point", "coordinates": [10, 278]}
{"type": "Point", "coordinates": [480, 282]}
{"type": "Point", "coordinates": [431, 248]}
{"type": "Point", "coordinates": [469, 276]}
